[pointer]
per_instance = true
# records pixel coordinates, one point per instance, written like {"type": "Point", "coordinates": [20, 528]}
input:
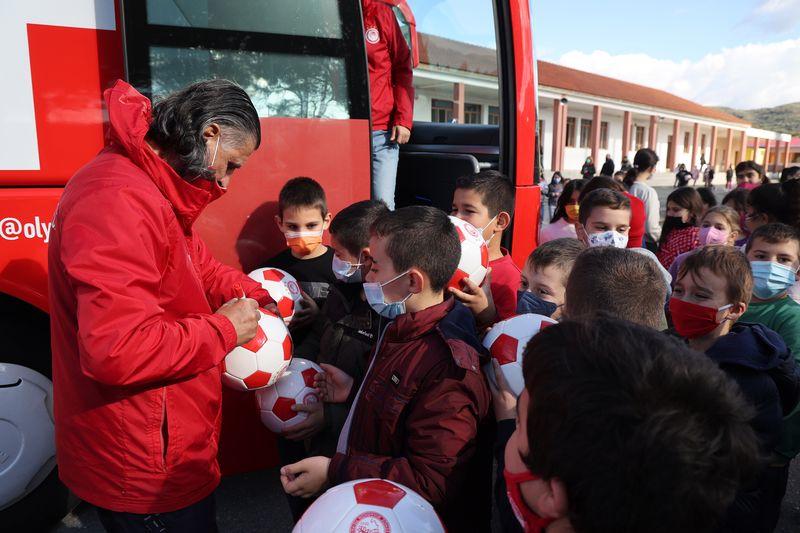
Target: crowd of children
{"type": "Point", "coordinates": [662, 401]}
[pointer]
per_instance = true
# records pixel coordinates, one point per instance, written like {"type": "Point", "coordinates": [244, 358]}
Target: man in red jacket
{"type": "Point", "coordinates": [392, 93]}
{"type": "Point", "coordinates": [142, 315]}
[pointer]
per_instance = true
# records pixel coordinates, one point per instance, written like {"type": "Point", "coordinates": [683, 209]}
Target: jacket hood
{"type": "Point", "coordinates": [750, 346]}
{"type": "Point", "coordinates": [129, 117]}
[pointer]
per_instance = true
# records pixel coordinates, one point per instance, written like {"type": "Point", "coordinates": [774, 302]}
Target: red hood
{"type": "Point", "coordinates": [129, 116]}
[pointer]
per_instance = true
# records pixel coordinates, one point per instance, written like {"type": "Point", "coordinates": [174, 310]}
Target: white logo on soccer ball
{"type": "Point", "coordinates": [372, 35]}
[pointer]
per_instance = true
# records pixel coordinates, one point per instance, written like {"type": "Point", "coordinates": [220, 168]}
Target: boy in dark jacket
{"type": "Point", "coordinates": [419, 414]}
{"type": "Point", "coordinates": [711, 292]}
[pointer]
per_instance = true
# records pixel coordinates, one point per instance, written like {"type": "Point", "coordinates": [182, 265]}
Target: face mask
{"type": "Point", "coordinates": [572, 211]}
{"type": "Point", "coordinates": [529, 520]}
{"type": "Point", "coordinates": [303, 242]}
{"type": "Point", "coordinates": [527, 302]}
{"type": "Point", "coordinates": [608, 238]}
{"type": "Point", "coordinates": [749, 186]}
{"type": "Point", "coordinates": [347, 271]}
{"type": "Point", "coordinates": [770, 279]}
{"type": "Point", "coordinates": [673, 222]}
{"type": "Point", "coordinates": [692, 320]}
{"type": "Point", "coordinates": [712, 235]}
{"type": "Point", "coordinates": [487, 241]}
{"type": "Point", "coordinates": [374, 294]}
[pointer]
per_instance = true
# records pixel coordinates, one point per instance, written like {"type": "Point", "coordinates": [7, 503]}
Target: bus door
{"type": "Point", "coordinates": [474, 106]}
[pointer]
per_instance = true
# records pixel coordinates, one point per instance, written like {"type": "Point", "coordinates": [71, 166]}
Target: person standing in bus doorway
{"type": "Point", "coordinates": [392, 93]}
{"type": "Point", "coordinates": [142, 315]}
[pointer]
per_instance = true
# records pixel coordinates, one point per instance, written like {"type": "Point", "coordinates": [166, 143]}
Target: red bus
{"type": "Point", "coordinates": [304, 66]}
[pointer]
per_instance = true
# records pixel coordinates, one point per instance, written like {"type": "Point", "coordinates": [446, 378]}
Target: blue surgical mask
{"type": "Point", "coordinates": [608, 238]}
{"type": "Point", "coordinates": [374, 294]}
{"type": "Point", "coordinates": [770, 279]}
{"type": "Point", "coordinates": [347, 271]}
{"type": "Point", "coordinates": [527, 302]}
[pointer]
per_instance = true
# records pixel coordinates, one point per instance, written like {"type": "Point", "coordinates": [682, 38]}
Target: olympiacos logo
{"type": "Point", "coordinates": [372, 35]}
{"type": "Point", "coordinates": [12, 229]}
{"type": "Point", "coordinates": [370, 522]}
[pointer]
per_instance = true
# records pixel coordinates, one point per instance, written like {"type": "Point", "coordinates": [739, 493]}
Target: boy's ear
{"type": "Point", "coordinates": [416, 281]}
{"type": "Point", "coordinates": [553, 502]}
{"type": "Point", "coordinates": [279, 222]}
{"type": "Point", "coordinates": [737, 311]}
{"type": "Point", "coordinates": [503, 220]}
{"type": "Point", "coordinates": [326, 221]}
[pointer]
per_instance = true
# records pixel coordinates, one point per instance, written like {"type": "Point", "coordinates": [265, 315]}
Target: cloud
{"type": "Point", "coordinates": [746, 77]}
{"type": "Point", "coordinates": [779, 16]}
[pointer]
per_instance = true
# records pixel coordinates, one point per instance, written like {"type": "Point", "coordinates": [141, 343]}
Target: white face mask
{"type": "Point", "coordinates": [375, 298]}
{"type": "Point", "coordinates": [347, 271]}
{"type": "Point", "coordinates": [487, 241]}
{"type": "Point", "coordinates": [608, 238]}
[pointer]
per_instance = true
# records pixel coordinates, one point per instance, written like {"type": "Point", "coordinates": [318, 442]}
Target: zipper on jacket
{"type": "Point", "coordinates": [164, 429]}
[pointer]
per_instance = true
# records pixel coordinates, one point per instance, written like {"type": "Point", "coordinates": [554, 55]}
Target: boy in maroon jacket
{"type": "Point", "coordinates": [419, 415]}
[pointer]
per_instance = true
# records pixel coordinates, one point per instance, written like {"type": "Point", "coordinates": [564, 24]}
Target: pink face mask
{"type": "Point", "coordinates": [712, 235]}
{"type": "Point", "coordinates": [528, 519]}
{"type": "Point", "coordinates": [749, 186]}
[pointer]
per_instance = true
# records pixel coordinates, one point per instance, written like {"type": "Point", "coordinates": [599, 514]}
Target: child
{"type": "Point", "coordinates": [347, 330]}
{"type": "Point", "coordinates": [737, 200]}
{"type": "Point", "coordinates": [679, 232]}
{"type": "Point", "coordinates": [604, 219]}
{"type": "Point", "coordinates": [416, 417]}
{"type": "Point", "coordinates": [600, 427]}
{"type": "Point", "coordinates": [719, 226]}
{"type": "Point", "coordinates": [638, 215]}
{"type": "Point", "coordinates": [707, 197]}
{"type": "Point", "coordinates": [562, 224]}
{"type": "Point", "coordinates": [710, 295]}
{"type": "Point", "coordinates": [486, 200]}
{"type": "Point", "coordinates": [773, 203]}
{"type": "Point", "coordinates": [544, 278]}
{"type": "Point", "coordinates": [644, 165]}
{"type": "Point", "coordinates": [750, 175]}
{"type": "Point", "coordinates": [302, 217]}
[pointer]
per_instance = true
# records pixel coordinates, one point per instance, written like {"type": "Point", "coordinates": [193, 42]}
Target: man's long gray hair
{"type": "Point", "coordinates": [180, 119]}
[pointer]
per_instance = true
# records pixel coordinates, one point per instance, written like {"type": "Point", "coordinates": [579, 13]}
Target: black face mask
{"type": "Point", "coordinates": [527, 302]}
{"type": "Point", "coordinates": [671, 223]}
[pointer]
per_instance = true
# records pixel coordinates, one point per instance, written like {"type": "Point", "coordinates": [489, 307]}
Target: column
{"type": "Point", "coordinates": [743, 149]}
{"type": "Point", "coordinates": [673, 149]}
{"type": "Point", "coordinates": [695, 143]}
{"type": "Point", "coordinates": [766, 157]}
{"type": "Point", "coordinates": [786, 154]}
{"type": "Point", "coordinates": [459, 95]}
{"type": "Point", "coordinates": [728, 156]}
{"type": "Point", "coordinates": [652, 140]}
{"type": "Point", "coordinates": [597, 116]}
{"type": "Point", "coordinates": [712, 158]}
{"type": "Point", "coordinates": [564, 109]}
{"type": "Point", "coordinates": [627, 120]}
{"type": "Point", "coordinates": [558, 136]}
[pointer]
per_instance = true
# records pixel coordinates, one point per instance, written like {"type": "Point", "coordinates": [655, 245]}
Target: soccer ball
{"type": "Point", "coordinates": [474, 259]}
{"type": "Point", "coordinates": [282, 287]}
{"type": "Point", "coordinates": [296, 385]}
{"type": "Point", "coordinates": [506, 342]}
{"type": "Point", "coordinates": [370, 506]}
{"type": "Point", "coordinates": [260, 362]}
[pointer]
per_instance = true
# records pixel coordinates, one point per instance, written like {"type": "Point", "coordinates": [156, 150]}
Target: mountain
{"type": "Point", "coordinates": [783, 118]}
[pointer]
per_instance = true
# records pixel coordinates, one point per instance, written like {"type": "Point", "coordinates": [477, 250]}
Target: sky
{"type": "Point", "coordinates": [737, 53]}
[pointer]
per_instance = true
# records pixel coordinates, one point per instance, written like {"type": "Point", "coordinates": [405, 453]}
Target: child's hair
{"type": "Point", "coordinates": [421, 237]}
{"type": "Point", "coordinates": [739, 199]}
{"type": "Point", "coordinates": [621, 282]}
{"type": "Point", "coordinates": [351, 225]}
{"type": "Point", "coordinates": [560, 253]}
{"type": "Point", "coordinates": [687, 198]}
{"type": "Point", "coordinates": [773, 234]}
{"type": "Point", "coordinates": [707, 196]}
{"type": "Point", "coordinates": [644, 160]}
{"type": "Point", "coordinates": [726, 262]}
{"type": "Point", "coordinates": [601, 182]}
{"type": "Point", "coordinates": [495, 189]}
{"type": "Point", "coordinates": [730, 215]}
{"type": "Point", "coordinates": [625, 416]}
{"type": "Point", "coordinates": [302, 192]}
{"type": "Point", "coordinates": [790, 173]}
{"type": "Point", "coordinates": [780, 202]}
{"type": "Point", "coordinates": [620, 174]}
{"type": "Point", "coordinates": [566, 195]}
{"type": "Point", "coordinates": [752, 165]}
{"type": "Point", "coordinates": [602, 198]}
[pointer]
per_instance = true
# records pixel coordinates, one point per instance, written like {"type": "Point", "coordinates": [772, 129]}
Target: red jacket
{"type": "Point", "coordinates": [419, 413]}
{"type": "Point", "coordinates": [636, 235]}
{"type": "Point", "coordinates": [136, 350]}
{"type": "Point", "coordinates": [390, 75]}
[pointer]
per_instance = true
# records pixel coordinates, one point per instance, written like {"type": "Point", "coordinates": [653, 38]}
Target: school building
{"type": "Point", "coordinates": [583, 114]}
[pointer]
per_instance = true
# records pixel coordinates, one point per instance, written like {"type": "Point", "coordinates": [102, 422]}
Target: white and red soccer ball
{"type": "Point", "coordinates": [474, 260]}
{"type": "Point", "coordinates": [295, 386]}
{"type": "Point", "coordinates": [282, 287]}
{"type": "Point", "coordinates": [260, 362]}
{"type": "Point", "coordinates": [370, 506]}
{"type": "Point", "coordinates": [506, 342]}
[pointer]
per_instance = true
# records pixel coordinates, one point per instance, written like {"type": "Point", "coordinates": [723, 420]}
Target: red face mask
{"type": "Point", "coordinates": [529, 520]}
{"type": "Point", "coordinates": [693, 320]}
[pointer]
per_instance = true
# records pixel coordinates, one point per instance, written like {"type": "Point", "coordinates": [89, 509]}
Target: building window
{"type": "Point", "coordinates": [472, 113]}
{"type": "Point", "coordinates": [441, 110]}
{"type": "Point", "coordinates": [494, 115]}
{"type": "Point", "coordinates": [604, 135]}
{"type": "Point", "coordinates": [703, 143]}
{"type": "Point", "coordinates": [686, 142]}
{"type": "Point", "coordinates": [638, 137]}
{"type": "Point", "coordinates": [586, 133]}
{"type": "Point", "coordinates": [570, 132]}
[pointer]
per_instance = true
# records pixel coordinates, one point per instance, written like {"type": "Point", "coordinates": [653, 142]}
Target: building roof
{"type": "Point", "coordinates": [446, 53]}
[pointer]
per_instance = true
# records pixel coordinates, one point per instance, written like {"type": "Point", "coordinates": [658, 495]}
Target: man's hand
{"type": "Point", "coordinates": [244, 315]}
{"type": "Point", "coordinates": [304, 316]}
{"type": "Point", "coordinates": [305, 478]}
{"type": "Point", "coordinates": [311, 425]}
{"type": "Point", "coordinates": [400, 134]}
{"type": "Point", "coordinates": [478, 300]}
{"type": "Point", "coordinates": [333, 385]}
{"type": "Point", "coordinates": [505, 403]}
